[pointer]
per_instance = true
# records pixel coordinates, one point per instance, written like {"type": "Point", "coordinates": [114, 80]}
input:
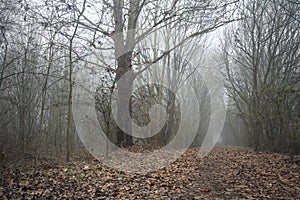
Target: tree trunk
{"type": "Point", "coordinates": [124, 93]}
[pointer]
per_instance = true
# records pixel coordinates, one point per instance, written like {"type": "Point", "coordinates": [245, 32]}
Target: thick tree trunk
{"type": "Point", "coordinates": [124, 93]}
{"type": "Point", "coordinates": [169, 131]}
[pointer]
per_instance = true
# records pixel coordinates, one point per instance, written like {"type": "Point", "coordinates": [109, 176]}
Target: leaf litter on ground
{"type": "Point", "coordinates": [225, 173]}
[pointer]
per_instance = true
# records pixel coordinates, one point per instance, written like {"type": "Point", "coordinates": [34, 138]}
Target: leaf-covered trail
{"type": "Point", "coordinates": [226, 173]}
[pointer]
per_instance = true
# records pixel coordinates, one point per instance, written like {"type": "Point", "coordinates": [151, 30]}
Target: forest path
{"type": "Point", "coordinates": [225, 173]}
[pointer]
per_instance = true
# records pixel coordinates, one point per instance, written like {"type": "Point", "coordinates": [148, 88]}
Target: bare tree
{"type": "Point", "coordinates": [261, 57]}
{"type": "Point", "coordinates": [43, 43]}
{"type": "Point", "coordinates": [134, 20]}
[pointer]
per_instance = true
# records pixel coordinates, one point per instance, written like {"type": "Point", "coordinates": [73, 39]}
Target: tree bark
{"type": "Point", "coordinates": [124, 93]}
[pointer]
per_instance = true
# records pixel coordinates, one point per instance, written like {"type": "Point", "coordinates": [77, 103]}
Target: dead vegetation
{"type": "Point", "coordinates": [226, 173]}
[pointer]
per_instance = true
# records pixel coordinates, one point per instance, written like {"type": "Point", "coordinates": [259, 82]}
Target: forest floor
{"type": "Point", "coordinates": [225, 173]}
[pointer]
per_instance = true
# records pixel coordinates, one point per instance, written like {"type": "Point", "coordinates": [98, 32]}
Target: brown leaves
{"type": "Point", "coordinates": [225, 173]}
